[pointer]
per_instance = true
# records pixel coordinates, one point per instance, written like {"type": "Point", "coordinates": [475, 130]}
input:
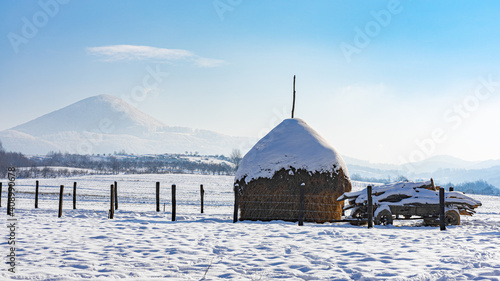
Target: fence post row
{"type": "Point", "coordinates": [157, 196]}
{"type": "Point", "coordinates": [74, 195]}
{"type": "Point", "coordinates": [116, 195]}
{"type": "Point", "coordinates": [36, 195]}
{"type": "Point", "coordinates": [236, 202]}
{"type": "Point", "coordinates": [202, 193]}
{"type": "Point", "coordinates": [174, 202]}
{"type": "Point", "coordinates": [301, 203]}
{"type": "Point", "coordinates": [370, 206]}
{"type": "Point", "coordinates": [61, 191]}
{"type": "Point", "coordinates": [111, 202]}
{"type": "Point", "coordinates": [442, 217]}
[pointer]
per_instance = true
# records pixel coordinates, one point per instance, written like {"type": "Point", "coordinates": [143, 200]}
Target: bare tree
{"type": "Point", "coordinates": [236, 157]}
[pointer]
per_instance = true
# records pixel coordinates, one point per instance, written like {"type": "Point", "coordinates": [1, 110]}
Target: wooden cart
{"type": "Point", "coordinates": [408, 200]}
{"type": "Point", "coordinates": [428, 212]}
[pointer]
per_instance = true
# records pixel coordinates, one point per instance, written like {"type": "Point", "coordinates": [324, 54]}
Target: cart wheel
{"type": "Point", "coordinates": [358, 215]}
{"type": "Point", "coordinates": [384, 218]}
{"type": "Point", "coordinates": [430, 222]}
{"type": "Point", "coordinates": [452, 217]}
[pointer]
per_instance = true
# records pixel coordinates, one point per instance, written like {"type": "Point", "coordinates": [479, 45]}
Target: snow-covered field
{"type": "Point", "coordinates": [141, 244]}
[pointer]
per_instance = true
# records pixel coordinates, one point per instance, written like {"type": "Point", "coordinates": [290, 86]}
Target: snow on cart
{"type": "Point", "coordinates": [408, 200]}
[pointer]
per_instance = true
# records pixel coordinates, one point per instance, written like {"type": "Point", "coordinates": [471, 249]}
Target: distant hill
{"type": "Point", "coordinates": [444, 169]}
{"type": "Point", "coordinates": [105, 124]}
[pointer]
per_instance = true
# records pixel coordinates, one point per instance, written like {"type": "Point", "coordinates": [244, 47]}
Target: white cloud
{"type": "Point", "coordinates": [206, 62]}
{"type": "Point", "coordinates": [148, 53]}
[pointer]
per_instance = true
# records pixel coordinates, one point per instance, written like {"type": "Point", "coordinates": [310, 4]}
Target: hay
{"type": "Point", "coordinates": [277, 198]}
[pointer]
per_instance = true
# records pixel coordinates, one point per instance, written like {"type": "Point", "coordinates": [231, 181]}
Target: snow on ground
{"type": "Point", "coordinates": [59, 168]}
{"type": "Point", "coordinates": [141, 244]}
{"type": "Point", "coordinates": [207, 160]}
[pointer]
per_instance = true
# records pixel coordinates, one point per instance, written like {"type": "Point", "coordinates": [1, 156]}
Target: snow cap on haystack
{"type": "Point", "coordinates": [291, 144]}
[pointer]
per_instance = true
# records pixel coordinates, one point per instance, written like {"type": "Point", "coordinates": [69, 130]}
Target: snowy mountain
{"type": "Point", "coordinates": [104, 124]}
{"type": "Point", "coordinates": [102, 114]}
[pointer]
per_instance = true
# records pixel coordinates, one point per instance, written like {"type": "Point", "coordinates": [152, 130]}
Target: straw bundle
{"type": "Point", "coordinates": [277, 198]}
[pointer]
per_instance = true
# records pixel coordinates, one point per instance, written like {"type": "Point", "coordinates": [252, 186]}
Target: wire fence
{"type": "Point", "coordinates": [138, 194]}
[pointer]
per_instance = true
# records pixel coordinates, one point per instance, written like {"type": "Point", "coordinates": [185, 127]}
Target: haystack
{"type": "Point", "coordinates": [270, 176]}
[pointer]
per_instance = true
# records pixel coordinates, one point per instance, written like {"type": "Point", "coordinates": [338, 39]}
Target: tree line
{"type": "Point", "coordinates": [75, 164]}
{"type": "Point", "coordinates": [11, 159]}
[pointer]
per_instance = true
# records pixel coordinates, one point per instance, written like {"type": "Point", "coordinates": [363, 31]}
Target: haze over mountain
{"type": "Point", "coordinates": [443, 168]}
{"type": "Point", "coordinates": [105, 124]}
{"type": "Point", "coordinates": [428, 165]}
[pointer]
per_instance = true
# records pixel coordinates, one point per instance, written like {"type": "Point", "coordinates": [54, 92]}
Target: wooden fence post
{"type": "Point", "coordinates": [370, 206]}
{"type": "Point", "coordinates": [61, 191]}
{"type": "Point", "coordinates": [301, 203]}
{"type": "Point", "coordinates": [0, 194]}
{"type": "Point", "coordinates": [174, 202]}
{"type": "Point", "coordinates": [442, 218]}
{"type": "Point", "coordinates": [112, 202]}
{"type": "Point", "coordinates": [116, 195]}
{"type": "Point", "coordinates": [157, 196]}
{"type": "Point", "coordinates": [202, 193]}
{"type": "Point", "coordinates": [236, 202]}
{"type": "Point", "coordinates": [36, 195]}
{"type": "Point", "coordinates": [74, 195]}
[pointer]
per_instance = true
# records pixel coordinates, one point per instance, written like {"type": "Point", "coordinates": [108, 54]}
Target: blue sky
{"type": "Point", "coordinates": [385, 81]}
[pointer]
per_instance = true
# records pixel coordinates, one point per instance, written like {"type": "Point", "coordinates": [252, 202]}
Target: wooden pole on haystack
{"type": "Point", "coordinates": [293, 104]}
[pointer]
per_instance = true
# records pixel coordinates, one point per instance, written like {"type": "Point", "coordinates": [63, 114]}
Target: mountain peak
{"type": "Point", "coordinates": [102, 114]}
{"type": "Point", "coordinates": [104, 124]}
